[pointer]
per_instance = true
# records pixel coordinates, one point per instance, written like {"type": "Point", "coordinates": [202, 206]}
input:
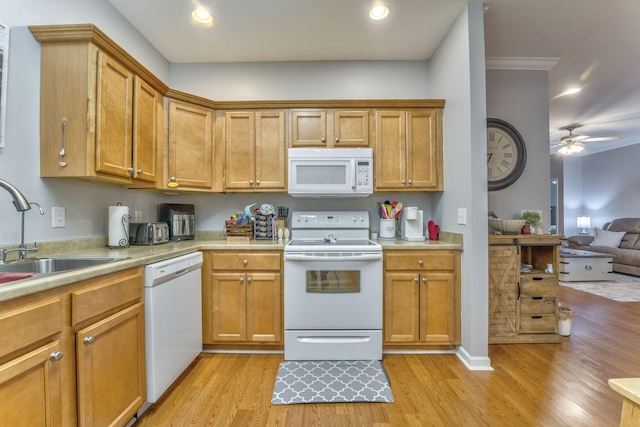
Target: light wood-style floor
{"type": "Point", "coordinates": [531, 385]}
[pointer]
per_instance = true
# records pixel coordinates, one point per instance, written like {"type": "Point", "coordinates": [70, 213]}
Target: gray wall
{"type": "Point", "coordinates": [520, 98]}
{"type": "Point", "coordinates": [603, 186]}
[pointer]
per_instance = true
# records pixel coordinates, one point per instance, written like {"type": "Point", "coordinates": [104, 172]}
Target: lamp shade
{"type": "Point", "coordinates": [584, 222]}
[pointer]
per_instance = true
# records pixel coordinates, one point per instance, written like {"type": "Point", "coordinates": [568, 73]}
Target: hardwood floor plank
{"type": "Point", "coordinates": [531, 385]}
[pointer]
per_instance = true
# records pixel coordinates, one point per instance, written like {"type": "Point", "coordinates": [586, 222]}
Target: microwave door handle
{"type": "Point", "coordinates": [353, 175]}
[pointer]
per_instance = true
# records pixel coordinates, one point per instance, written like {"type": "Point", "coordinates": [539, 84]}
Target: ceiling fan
{"type": "Point", "coordinates": [573, 144]}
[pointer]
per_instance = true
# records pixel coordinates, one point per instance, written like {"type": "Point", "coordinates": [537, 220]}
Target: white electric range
{"type": "Point", "coordinates": [332, 288]}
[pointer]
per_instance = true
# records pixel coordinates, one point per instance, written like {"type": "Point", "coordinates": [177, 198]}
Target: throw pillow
{"type": "Point", "coordinates": [609, 239]}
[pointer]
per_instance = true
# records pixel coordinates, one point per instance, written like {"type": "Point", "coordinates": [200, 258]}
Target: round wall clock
{"type": "Point", "coordinates": [506, 154]}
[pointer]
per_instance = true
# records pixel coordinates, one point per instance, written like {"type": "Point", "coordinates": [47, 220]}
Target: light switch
{"type": "Point", "coordinates": [462, 216]}
{"type": "Point", "coordinates": [58, 217]}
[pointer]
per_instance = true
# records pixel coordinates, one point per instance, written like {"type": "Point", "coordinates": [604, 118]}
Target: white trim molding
{"type": "Point", "coordinates": [520, 63]}
{"type": "Point", "coordinates": [473, 363]}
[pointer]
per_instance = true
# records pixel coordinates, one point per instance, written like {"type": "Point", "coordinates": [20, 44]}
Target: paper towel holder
{"type": "Point", "coordinates": [124, 221]}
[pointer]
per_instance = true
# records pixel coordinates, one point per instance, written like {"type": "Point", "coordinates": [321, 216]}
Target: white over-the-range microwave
{"type": "Point", "coordinates": [330, 172]}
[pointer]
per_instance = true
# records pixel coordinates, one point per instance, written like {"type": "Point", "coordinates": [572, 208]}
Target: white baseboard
{"type": "Point", "coordinates": [473, 363]}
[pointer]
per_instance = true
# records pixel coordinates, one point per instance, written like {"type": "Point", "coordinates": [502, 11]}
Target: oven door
{"type": "Point", "coordinates": [332, 291]}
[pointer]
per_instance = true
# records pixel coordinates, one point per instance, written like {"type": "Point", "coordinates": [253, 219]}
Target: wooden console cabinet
{"type": "Point", "coordinates": [523, 304]}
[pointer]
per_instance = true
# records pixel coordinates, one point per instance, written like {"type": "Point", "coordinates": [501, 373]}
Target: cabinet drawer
{"type": "Point", "coordinates": [419, 260]}
{"type": "Point", "coordinates": [105, 296]}
{"type": "Point", "coordinates": [537, 304]}
{"type": "Point", "coordinates": [538, 323]}
{"type": "Point", "coordinates": [29, 324]}
{"type": "Point", "coordinates": [246, 261]}
{"type": "Point", "coordinates": [539, 285]}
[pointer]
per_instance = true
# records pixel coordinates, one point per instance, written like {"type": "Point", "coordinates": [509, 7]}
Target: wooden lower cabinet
{"type": "Point", "coordinates": [421, 298]}
{"type": "Point", "coordinates": [242, 298]}
{"type": "Point", "coordinates": [74, 355]}
{"type": "Point", "coordinates": [111, 368]}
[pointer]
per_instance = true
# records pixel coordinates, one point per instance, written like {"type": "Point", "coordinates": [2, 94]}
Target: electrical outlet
{"type": "Point", "coordinates": [58, 217]}
{"type": "Point", "coordinates": [462, 216]}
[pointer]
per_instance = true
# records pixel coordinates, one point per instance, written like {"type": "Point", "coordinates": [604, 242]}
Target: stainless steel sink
{"type": "Point", "coordinates": [53, 264]}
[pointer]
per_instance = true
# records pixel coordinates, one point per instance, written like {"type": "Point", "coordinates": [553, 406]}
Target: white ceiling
{"type": "Point", "coordinates": [593, 44]}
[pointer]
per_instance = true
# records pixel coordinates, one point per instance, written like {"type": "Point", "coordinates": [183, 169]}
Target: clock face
{"type": "Point", "coordinates": [506, 154]}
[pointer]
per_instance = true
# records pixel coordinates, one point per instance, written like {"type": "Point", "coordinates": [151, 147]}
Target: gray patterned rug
{"type": "Point", "coordinates": [331, 381]}
{"type": "Point", "coordinates": [621, 287]}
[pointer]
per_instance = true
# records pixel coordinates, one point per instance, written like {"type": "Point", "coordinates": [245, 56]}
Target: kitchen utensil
{"type": "Point", "coordinates": [398, 208]}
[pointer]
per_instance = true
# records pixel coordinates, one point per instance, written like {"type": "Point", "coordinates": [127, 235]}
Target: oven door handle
{"type": "Point", "coordinates": [341, 257]}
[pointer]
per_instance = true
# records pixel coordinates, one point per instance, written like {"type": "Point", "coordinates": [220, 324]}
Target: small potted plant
{"type": "Point", "coordinates": [532, 218]}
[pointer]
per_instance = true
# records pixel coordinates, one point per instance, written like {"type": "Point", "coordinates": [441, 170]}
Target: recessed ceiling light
{"type": "Point", "coordinates": [202, 15]}
{"type": "Point", "coordinates": [378, 12]}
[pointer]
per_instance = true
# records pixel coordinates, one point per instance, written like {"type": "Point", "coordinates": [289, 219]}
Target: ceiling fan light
{"type": "Point", "coordinates": [571, 149]}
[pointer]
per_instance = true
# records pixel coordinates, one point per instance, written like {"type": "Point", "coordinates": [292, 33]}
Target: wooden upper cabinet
{"type": "Point", "coordinates": [255, 150]}
{"type": "Point", "coordinates": [114, 117]}
{"type": "Point", "coordinates": [330, 128]}
{"type": "Point", "coordinates": [190, 148]}
{"type": "Point", "coordinates": [408, 150]}
{"type": "Point", "coordinates": [98, 119]}
{"type": "Point", "coordinates": [147, 120]}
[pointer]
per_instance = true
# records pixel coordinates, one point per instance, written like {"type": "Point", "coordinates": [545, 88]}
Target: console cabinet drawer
{"type": "Point", "coordinates": [538, 323]}
{"type": "Point", "coordinates": [537, 305]}
{"type": "Point", "coordinates": [539, 285]}
{"type": "Point", "coordinates": [29, 323]}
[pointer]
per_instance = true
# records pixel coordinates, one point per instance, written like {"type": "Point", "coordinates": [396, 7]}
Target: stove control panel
{"type": "Point", "coordinates": [337, 219]}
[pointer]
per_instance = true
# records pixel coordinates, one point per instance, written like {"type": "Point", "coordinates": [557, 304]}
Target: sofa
{"type": "Point", "coordinates": [620, 238]}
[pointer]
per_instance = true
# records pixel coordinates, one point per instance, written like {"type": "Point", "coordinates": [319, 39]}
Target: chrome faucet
{"type": "Point", "coordinates": [22, 204]}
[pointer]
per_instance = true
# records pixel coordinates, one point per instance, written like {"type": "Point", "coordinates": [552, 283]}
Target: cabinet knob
{"type": "Point", "coordinates": [250, 182]}
{"type": "Point", "coordinates": [420, 262]}
{"type": "Point", "coordinates": [242, 280]}
{"type": "Point", "coordinates": [337, 140]}
{"type": "Point", "coordinates": [245, 261]}
{"type": "Point", "coordinates": [410, 182]}
{"type": "Point", "coordinates": [403, 182]}
{"type": "Point", "coordinates": [88, 340]}
{"type": "Point", "coordinates": [257, 182]}
{"type": "Point", "coordinates": [55, 356]}
{"type": "Point", "coordinates": [323, 139]}
{"type": "Point", "coordinates": [248, 280]}
{"type": "Point", "coordinates": [139, 171]}
{"type": "Point", "coordinates": [424, 280]}
{"type": "Point", "coordinates": [130, 170]}
{"type": "Point", "coordinates": [415, 279]}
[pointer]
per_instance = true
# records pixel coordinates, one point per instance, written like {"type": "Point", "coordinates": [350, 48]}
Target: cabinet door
{"type": "Point", "coordinates": [145, 134]}
{"type": "Point", "coordinates": [111, 368]}
{"type": "Point", "coordinates": [240, 150]}
{"type": "Point", "coordinates": [113, 117]}
{"type": "Point", "coordinates": [437, 308]}
{"type": "Point", "coordinates": [309, 128]}
{"type": "Point", "coordinates": [190, 155]}
{"type": "Point", "coordinates": [264, 311]}
{"type": "Point", "coordinates": [351, 128]}
{"type": "Point", "coordinates": [390, 151]}
{"type": "Point", "coordinates": [30, 388]}
{"type": "Point", "coordinates": [401, 308]}
{"type": "Point", "coordinates": [504, 265]}
{"type": "Point", "coordinates": [271, 151]}
{"type": "Point", "coordinates": [422, 150]}
{"type": "Point", "coordinates": [229, 304]}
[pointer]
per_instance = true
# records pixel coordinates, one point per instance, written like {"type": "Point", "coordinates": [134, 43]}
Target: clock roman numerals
{"type": "Point", "coordinates": [506, 154]}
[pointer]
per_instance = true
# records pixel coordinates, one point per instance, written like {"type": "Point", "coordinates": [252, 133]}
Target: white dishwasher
{"type": "Point", "coordinates": [173, 320]}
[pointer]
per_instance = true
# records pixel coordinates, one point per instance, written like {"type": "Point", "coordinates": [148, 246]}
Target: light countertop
{"type": "Point", "coordinates": [136, 256]}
